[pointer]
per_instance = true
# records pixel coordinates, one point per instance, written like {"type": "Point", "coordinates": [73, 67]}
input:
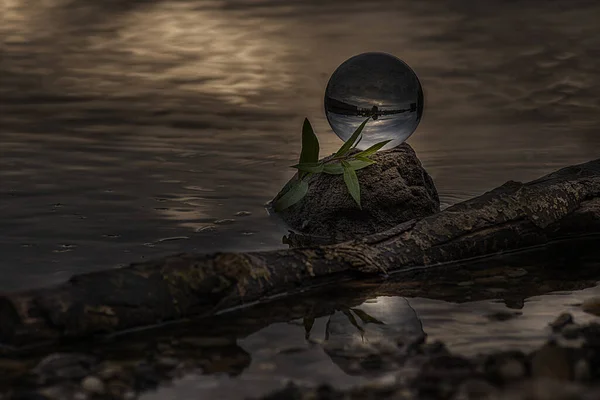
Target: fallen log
{"type": "Point", "coordinates": [513, 216]}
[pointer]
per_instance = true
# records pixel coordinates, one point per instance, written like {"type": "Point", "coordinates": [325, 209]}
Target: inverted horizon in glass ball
{"type": "Point", "coordinates": [376, 85]}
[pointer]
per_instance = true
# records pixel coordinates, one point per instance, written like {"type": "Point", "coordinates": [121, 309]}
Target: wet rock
{"type": "Point", "coordinates": [63, 366]}
{"type": "Point", "coordinates": [592, 306]}
{"type": "Point", "coordinates": [146, 377]}
{"type": "Point", "coordinates": [394, 190]}
{"type": "Point", "coordinates": [562, 321]}
{"type": "Point", "coordinates": [93, 384]}
{"type": "Point", "coordinates": [243, 213]}
{"type": "Point", "coordinates": [109, 371]}
{"type": "Point", "coordinates": [516, 273]}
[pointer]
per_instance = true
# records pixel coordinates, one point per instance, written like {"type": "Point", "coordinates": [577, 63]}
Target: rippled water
{"type": "Point", "coordinates": [132, 129]}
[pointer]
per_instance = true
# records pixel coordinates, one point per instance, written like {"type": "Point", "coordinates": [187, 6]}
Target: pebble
{"type": "Point", "coordinates": [516, 273]}
{"type": "Point", "coordinates": [243, 213]}
{"type": "Point", "coordinates": [592, 306]}
{"type": "Point", "coordinates": [93, 384]}
{"type": "Point", "coordinates": [109, 371]}
{"type": "Point", "coordinates": [60, 366]}
{"type": "Point", "coordinates": [561, 321]}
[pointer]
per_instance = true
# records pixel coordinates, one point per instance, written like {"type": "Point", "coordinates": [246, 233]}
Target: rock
{"type": "Point", "coordinates": [394, 190]}
{"type": "Point", "coordinates": [562, 321]}
{"type": "Point", "coordinates": [592, 306]}
{"type": "Point", "coordinates": [93, 384]}
{"type": "Point", "coordinates": [61, 366]}
{"type": "Point", "coordinates": [516, 273]}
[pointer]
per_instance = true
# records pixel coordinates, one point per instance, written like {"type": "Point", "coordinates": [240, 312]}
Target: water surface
{"type": "Point", "coordinates": [133, 129]}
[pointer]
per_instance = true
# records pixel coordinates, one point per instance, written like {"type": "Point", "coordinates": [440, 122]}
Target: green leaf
{"type": "Point", "coordinates": [348, 144]}
{"type": "Point", "coordinates": [333, 169]}
{"type": "Point", "coordinates": [315, 168]}
{"type": "Point", "coordinates": [366, 160]}
{"type": "Point", "coordinates": [366, 318]}
{"type": "Point", "coordinates": [351, 181]}
{"type": "Point", "coordinates": [310, 144]}
{"type": "Point", "coordinates": [294, 194]}
{"type": "Point", "coordinates": [360, 138]}
{"type": "Point", "coordinates": [337, 169]}
{"type": "Point", "coordinates": [373, 149]}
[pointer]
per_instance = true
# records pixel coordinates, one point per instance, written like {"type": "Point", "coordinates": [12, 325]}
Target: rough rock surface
{"type": "Point", "coordinates": [394, 190]}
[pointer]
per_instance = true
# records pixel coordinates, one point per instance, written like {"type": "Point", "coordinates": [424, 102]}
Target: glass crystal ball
{"type": "Point", "coordinates": [376, 85]}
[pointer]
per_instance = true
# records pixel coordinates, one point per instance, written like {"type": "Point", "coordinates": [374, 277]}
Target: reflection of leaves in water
{"type": "Point", "coordinates": [366, 318]}
{"type": "Point", "coordinates": [352, 320]}
{"type": "Point", "coordinates": [308, 324]}
{"type": "Point", "coordinates": [309, 321]}
{"type": "Point", "coordinates": [327, 328]}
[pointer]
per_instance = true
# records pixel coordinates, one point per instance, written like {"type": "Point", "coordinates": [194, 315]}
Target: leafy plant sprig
{"type": "Point", "coordinates": [340, 163]}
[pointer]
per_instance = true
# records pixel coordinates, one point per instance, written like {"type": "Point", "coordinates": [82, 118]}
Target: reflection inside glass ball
{"type": "Point", "coordinates": [376, 85]}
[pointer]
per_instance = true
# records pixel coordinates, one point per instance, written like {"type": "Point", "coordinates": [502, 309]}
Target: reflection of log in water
{"type": "Point", "coordinates": [343, 108]}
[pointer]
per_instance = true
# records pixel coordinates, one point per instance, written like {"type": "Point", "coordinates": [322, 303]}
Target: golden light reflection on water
{"type": "Point", "coordinates": [217, 53]}
{"type": "Point", "coordinates": [143, 99]}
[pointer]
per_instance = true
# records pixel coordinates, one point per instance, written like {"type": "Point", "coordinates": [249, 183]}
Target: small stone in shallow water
{"type": "Point", "coordinates": [93, 384]}
{"type": "Point", "coordinates": [516, 273]}
{"type": "Point", "coordinates": [562, 321]}
{"type": "Point", "coordinates": [376, 85]}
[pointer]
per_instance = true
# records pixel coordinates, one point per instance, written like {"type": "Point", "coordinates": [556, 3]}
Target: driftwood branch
{"type": "Point", "coordinates": [513, 216]}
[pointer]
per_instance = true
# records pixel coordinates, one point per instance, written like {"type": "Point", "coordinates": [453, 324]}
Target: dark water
{"type": "Point", "coordinates": [133, 129]}
{"type": "Point", "coordinates": [352, 334]}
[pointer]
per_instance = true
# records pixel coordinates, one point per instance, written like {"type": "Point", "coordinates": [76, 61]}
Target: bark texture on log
{"type": "Point", "coordinates": [513, 216]}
